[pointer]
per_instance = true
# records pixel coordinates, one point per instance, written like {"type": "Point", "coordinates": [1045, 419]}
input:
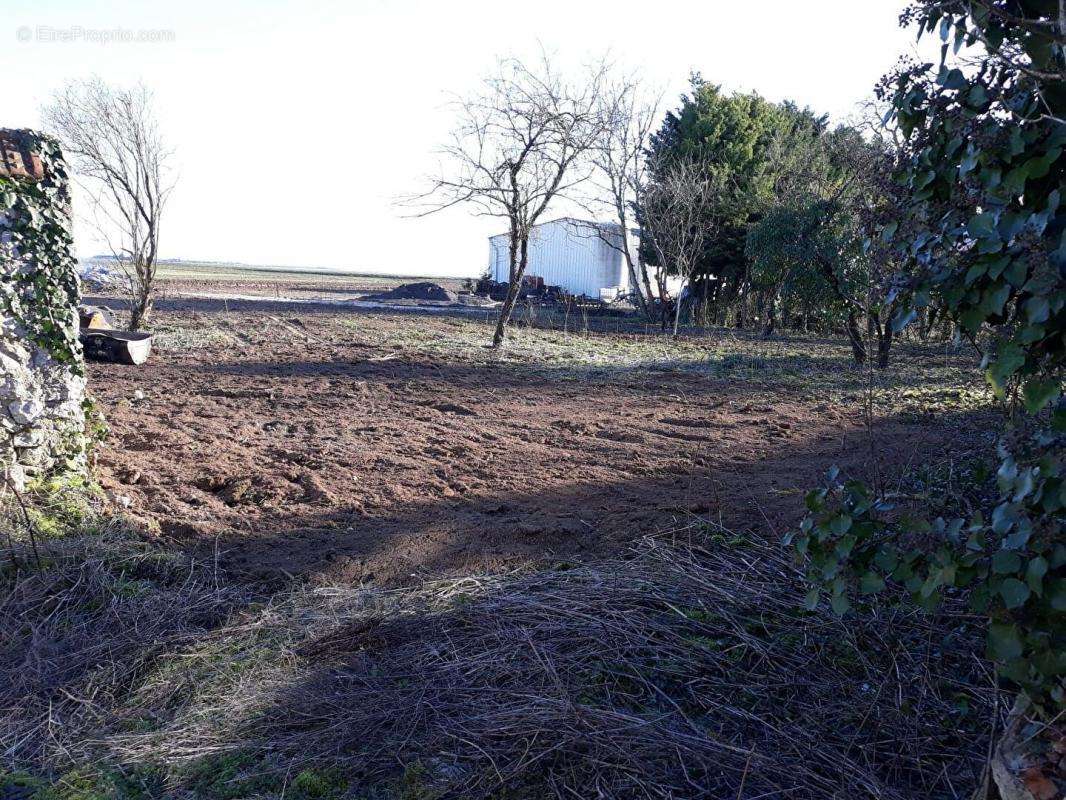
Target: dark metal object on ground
{"type": "Point", "coordinates": [121, 347]}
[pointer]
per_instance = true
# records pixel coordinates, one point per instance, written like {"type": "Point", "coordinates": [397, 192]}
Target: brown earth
{"type": "Point", "coordinates": [326, 445]}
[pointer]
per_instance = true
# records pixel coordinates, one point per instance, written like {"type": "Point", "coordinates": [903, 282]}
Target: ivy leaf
{"type": "Point", "coordinates": [871, 583]}
{"type": "Point", "coordinates": [1008, 361]}
{"type": "Point", "coordinates": [1034, 574]}
{"type": "Point", "coordinates": [982, 225]}
{"type": "Point", "coordinates": [1056, 594]}
{"type": "Point", "coordinates": [1004, 642]}
{"type": "Point", "coordinates": [840, 524]}
{"type": "Point", "coordinates": [1005, 562]}
{"type": "Point", "coordinates": [931, 584]}
{"type": "Point", "coordinates": [840, 604]}
{"type": "Point", "coordinates": [945, 28]}
{"type": "Point", "coordinates": [810, 601]}
{"type": "Point", "coordinates": [844, 546]}
{"type": "Point", "coordinates": [953, 80]}
{"type": "Point", "coordinates": [977, 95]}
{"type": "Point", "coordinates": [1037, 393]}
{"type": "Point", "coordinates": [996, 298]}
{"type": "Point", "coordinates": [1014, 592]}
{"type": "Point", "coordinates": [975, 272]}
{"type": "Point", "coordinates": [886, 559]}
{"type": "Point", "coordinates": [929, 603]}
{"type": "Point", "coordinates": [979, 598]}
{"type": "Point", "coordinates": [1020, 537]}
{"type": "Point", "coordinates": [972, 318]}
{"type": "Point", "coordinates": [995, 269]}
{"type": "Point", "coordinates": [1023, 486]}
{"type": "Point", "coordinates": [1017, 273]}
{"type": "Point", "coordinates": [1037, 309]}
{"type": "Point", "coordinates": [1038, 167]}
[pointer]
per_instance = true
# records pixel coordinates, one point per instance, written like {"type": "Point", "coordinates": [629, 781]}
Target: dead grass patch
{"type": "Point", "coordinates": [678, 672]}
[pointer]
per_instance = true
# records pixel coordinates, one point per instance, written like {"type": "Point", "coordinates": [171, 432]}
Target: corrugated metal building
{"type": "Point", "coordinates": [572, 253]}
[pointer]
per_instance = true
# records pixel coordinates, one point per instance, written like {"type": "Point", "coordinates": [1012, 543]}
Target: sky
{"type": "Point", "coordinates": [296, 125]}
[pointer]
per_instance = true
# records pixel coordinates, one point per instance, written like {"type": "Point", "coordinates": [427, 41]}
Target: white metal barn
{"type": "Point", "coordinates": [572, 253]}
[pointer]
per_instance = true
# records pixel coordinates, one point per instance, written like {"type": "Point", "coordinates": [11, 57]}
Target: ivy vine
{"type": "Point", "coordinates": [983, 232]}
{"type": "Point", "coordinates": [40, 289]}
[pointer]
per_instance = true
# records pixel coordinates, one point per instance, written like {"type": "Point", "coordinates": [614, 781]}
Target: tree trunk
{"type": "Point", "coordinates": [742, 295]}
{"type": "Point", "coordinates": [677, 309]}
{"type": "Point", "coordinates": [771, 316]}
{"type": "Point", "coordinates": [140, 306]}
{"type": "Point", "coordinates": [638, 290]}
{"type": "Point", "coordinates": [139, 313]}
{"type": "Point", "coordinates": [884, 344]}
{"type": "Point", "coordinates": [643, 293]}
{"type": "Point", "coordinates": [518, 269]}
{"type": "Point", "coordinates": [664, 308]}
{"type": "Point", "coordinates": [930, 322]}
{"type": "Point", "coordinates": [647, 289]}
{"type": "Point", "coordinates": [858, 348]}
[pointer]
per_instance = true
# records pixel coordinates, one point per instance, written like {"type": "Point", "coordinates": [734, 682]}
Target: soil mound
{"type": "Point", "coordinates": [425, 290]}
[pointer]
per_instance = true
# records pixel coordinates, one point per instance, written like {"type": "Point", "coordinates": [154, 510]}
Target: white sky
{"type": "Point", "coordinates": [296, 124]}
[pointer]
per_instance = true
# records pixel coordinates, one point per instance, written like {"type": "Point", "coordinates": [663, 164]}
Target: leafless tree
{"type": "Point", "coordinates": [677, 222]}
{"type": "Point", "coordinates": [111, 136]}
{"type": "Point", "coordinates": [627, 112]}
{"type": "Point", "coordinates": [518, 147]}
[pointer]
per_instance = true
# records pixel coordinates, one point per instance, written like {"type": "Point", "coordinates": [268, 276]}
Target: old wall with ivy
{"type": "Point", "coordinates": [42, 384]}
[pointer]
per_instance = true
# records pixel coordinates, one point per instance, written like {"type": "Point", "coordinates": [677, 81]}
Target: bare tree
{"type": "Point", "coordinates": [627, 113]}
{"type": "Point", "coordinates": [112, 138]}
{"type": "Point", "coordinates": [518, 147]}
{"type": "Point", "coordinates": [677, 221]}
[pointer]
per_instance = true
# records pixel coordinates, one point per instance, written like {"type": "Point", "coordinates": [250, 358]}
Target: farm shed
{"type": "Point", "coordinates": [581, 256]}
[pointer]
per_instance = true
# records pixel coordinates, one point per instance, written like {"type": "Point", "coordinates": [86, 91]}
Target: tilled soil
{"type": "Point", "coordinates": [306, 449]}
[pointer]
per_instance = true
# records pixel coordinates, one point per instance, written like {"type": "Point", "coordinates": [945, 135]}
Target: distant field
{"type": "Point", "coordinates": [190, 270]}
{"type": "Point", "coordinates": [255, 273]}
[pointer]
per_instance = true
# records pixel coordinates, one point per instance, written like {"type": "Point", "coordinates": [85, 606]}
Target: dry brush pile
{"type": "Point", "coordinates": [680, 672]}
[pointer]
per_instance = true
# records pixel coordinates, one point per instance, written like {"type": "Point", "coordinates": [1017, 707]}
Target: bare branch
{"type": "Point", "coordinates": [111, 137]}
{"type": "Point", "coordinates": [518, 146]}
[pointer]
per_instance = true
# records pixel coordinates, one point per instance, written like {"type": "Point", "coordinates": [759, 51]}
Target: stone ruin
{"type": "Point", "coordinates": [42, 385]}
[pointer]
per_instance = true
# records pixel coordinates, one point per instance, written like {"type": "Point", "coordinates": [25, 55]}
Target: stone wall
{"type": "Point", "coordinates": [42, 384]}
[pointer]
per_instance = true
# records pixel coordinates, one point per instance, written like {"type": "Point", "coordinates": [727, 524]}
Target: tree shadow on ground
{"type": "Point", "coordinates": [480, 517]}
{"type": "Point", "coordinates": [668, 672]}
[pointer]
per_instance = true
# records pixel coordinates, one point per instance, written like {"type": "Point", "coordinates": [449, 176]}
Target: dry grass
{"type": "Point", "coordinates": [680, 672]}
{"type": "Point", "coordinates": [80, 627]}
{"type": "Point", "coordinates": [924, 378]}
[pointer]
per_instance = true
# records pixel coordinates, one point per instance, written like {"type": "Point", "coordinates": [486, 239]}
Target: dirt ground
{"type": "Point", "coordinates": [383, 448]}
